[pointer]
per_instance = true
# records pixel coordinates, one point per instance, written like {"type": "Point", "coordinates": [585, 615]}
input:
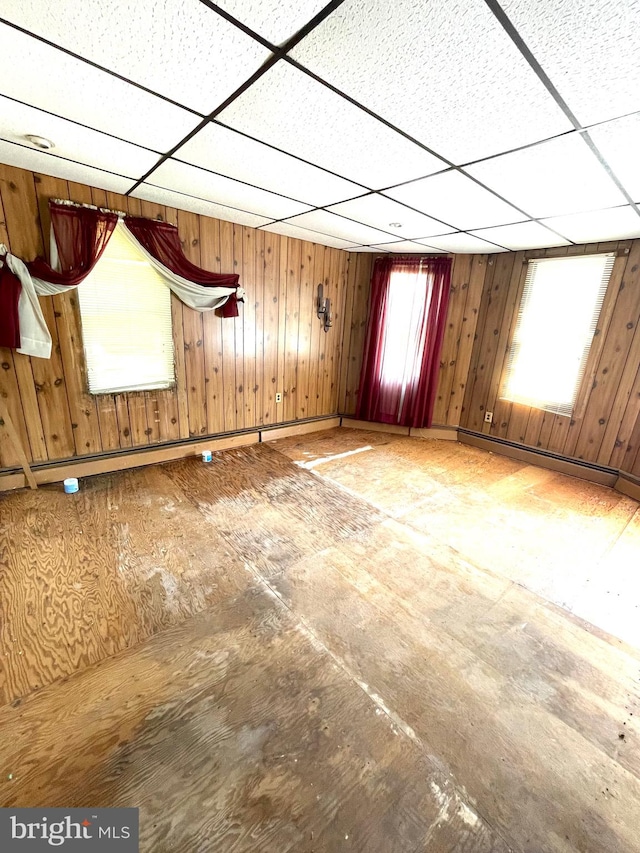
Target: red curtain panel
{"type": "Point", "coordinates": [408, 310]}
{"type": "Point", "coordinates": [82, 234]}
{"type": "Point", "coordinates": [10, 289]}
{"type": "Point", "coordinates": [162, 241]}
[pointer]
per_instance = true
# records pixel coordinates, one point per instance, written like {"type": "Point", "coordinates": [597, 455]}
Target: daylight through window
{"type": "Point", "coordinates": [558, 314]}
{"type": "Point", "coordinates": [125, 307]}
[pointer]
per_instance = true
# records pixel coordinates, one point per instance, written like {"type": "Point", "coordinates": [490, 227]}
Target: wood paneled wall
{"type": "Point", "coordinates": [605, 428]}
{"type": "Point", "coordinates": [485, 294]}
{"type": "Point", "coordinates": [467, 280]}
{"type": "Point", "coordinates": [227, 371]}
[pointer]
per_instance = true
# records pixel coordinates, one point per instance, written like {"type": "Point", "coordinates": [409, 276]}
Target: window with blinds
{"type": "Point", "coordinates": [125, 308]}
{"type": "Point", "coordinates": [556, 323]}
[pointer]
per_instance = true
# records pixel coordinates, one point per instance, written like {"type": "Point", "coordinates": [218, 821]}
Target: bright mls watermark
{"type": "Point", "coordinates": [79, 830]}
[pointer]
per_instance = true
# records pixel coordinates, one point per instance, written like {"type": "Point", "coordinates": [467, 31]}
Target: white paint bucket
{"type": "Point", "coordinates": [71, 485]}
{"type": "Point", "coordinates": [206, 456]}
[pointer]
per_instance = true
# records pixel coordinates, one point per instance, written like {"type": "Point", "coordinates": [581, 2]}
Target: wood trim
{"type": "Point", "coordinates": [135, 459]}
{"type": "Point", "coordinates": [7, 423]}
{"type": "Point", "coordinates": [594, 473]}
{"type": "Point", "coordinates": [373, 426]}
{"type": "Point", "coordinates": [9, 482]}
{"type": "Point", "coordinates": [628, 485]}
{"type": "Point", "coordinates": [443, 433]}
{"type": "Point", "coordinates": [273, 433]}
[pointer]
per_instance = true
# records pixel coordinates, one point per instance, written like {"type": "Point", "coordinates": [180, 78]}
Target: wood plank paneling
{"type": "Point", "coordinates": [604, 428]}
{"type": "Point", "coordinates": [227, 370]}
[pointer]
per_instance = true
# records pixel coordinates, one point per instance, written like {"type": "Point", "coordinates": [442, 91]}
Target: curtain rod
{"type": "Point", "coordinates": [65, 201]}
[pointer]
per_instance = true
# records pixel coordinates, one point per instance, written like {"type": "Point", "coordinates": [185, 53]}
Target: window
{"type": "Point", "coordinates": [558, 314]}
{"type": "Point", "coordinates": [125, 307]}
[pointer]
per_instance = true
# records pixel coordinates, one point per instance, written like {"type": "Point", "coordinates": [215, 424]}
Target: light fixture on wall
{"type": "Point", "coordinates": [324, 309]}
{"type": "Point", "coordinates": [40, 142]}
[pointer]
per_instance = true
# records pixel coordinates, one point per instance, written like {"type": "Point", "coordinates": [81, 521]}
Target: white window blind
{"type": "Point", "coordinates": [558, 316]}
{"type": "Point", "coordinates": [125, 307]}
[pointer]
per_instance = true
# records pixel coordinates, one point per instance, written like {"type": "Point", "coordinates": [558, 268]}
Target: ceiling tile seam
{"type": "Point", "coordinates": [541, 220]}
{"type": "Point", "coordinates": [388, 198]}
{"type": "Point", "coordinates": [267, 64]}
{"type": "Point", "coordinates": [102, 68]}
{"type": "Point", "coordinates": [236, 23]}
{"type": "Point", "coordinates": [288, 221]}
{"type": "Point", "coordinates": [510, 29]}
{"type": "Point", "coordinates": [273, 192]}
{"type": "Point", "coordinates": [453, 166]}
{"type": "Point", "coordinates": [81, 124]}
{"type": "Point", "coordinates": [68, 160]}
{"type": "Point", "coordinates": [370, 112]}
{"type": "Point", "coordinates": [581, 131]}
{"type": "Point", "coordinates": [605, 165]}
{"type": "Point", "coordinates": [242, 88]}
{"type": "Point", "coordinates": [364, 224]}
{"type": "Point", "coordinates": [208, 201]}
{"type": "Point", "coordinates": [608, 120]}
{"type": "Point", "coordinates": [219, 123]}
{"type": "Point", "coordinates": [489, 227]}
{"type": "Point", "coordinates": [521, 148]}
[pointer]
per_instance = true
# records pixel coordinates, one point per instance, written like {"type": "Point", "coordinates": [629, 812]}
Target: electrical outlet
{"type": "Point", "coordinates": [488, 416]}
{"type": "Point", "coordinates": [278, 397]}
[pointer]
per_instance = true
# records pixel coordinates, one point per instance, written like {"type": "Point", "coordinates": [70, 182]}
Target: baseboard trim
{"type": "Point", "coordinates": [442, 433]}
{"type": "Point", "coordinates": [628, 485]}
{"type": "Point", "coordinates": [105, 463]}
{"type": "Point", "coordinates": [542, 458]}
{"type": "Point", "coordinates": [275, 432]}
{"type": "Point", "coordinates": [56, 472]}
{"type": "Point", "coordinates": [374, 426]}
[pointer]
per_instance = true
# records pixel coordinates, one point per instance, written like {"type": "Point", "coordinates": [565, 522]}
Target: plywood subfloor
{"type": "Point", "coordinates": [269, 657]}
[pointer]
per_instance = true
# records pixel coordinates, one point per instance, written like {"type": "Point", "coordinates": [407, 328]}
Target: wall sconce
{"type": "Point", "coordinates": [324, 309]}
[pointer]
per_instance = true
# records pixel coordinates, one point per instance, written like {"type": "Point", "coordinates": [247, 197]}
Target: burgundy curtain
{"type": "Point", "coordinates": [82, 234]}
{"type": "Point", "coordinates": [10, 289]}
{"type": "Point", "coordinates": [161, 240]}
{"type": "Point", "coordinates": [408, 309]}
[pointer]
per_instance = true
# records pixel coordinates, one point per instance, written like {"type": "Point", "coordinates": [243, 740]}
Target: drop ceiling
{"type": "Point", "coordinates": [412, 126]}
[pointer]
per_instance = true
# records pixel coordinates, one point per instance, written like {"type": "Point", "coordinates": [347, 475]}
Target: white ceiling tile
{"type": "Point", "coordinates": [197, 205]}
{"type": "Point", "coordinates": [378, 211]}
{"type": "Point", "coordinates": [619, 223]}
{"type": "Point", "coordinates": [523, 235]}
{"type": "Point", "coordinates": [462, 243]}
{"type": "Point", "coordinates": [290, 110]}
{"type": "Point", "coordinates": [290, 230]}
{"type": "Point", "coordinates": [77, 91]}
{"type": "Point", "coordinates": [226, 151]}
{"type": "Point", "coordinates": [556, 177]}
{"type": "Point", "coordinates": [589, 48]}
{"type": "Point", "coordinates": [48, 164]}
{"type": "Point", "coordinates": [184, 51]}
{"type": "Point", "coordinates": [444, 72]}
{"type": "Point", "coordinates": [275, 20]}
{"type": "Point", "coordinates": [619, 143]}
{"type": "Point", "coordinates": [338, 226]}
{"type": "Point", "coordinates": [406, 247]}
{"type": "Point", "coordinates": [368, 249]}
{"type": "Point", "coordinates": [73, 141]}
{"type": "Point", "coordinates": [197, 182]}
{"type": "Point", "coordinates": [456, 200]}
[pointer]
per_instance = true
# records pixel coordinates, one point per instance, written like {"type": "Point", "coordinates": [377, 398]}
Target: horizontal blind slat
{"type": "Point", "coordinates": [125, 306]}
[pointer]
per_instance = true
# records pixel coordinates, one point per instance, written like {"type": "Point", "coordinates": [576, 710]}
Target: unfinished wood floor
{"type": "Point", "coordinates": [344, 641]}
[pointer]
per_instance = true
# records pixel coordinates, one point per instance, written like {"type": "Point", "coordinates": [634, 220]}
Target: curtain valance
{"type": "Point", "coordinates": [79, 236]}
